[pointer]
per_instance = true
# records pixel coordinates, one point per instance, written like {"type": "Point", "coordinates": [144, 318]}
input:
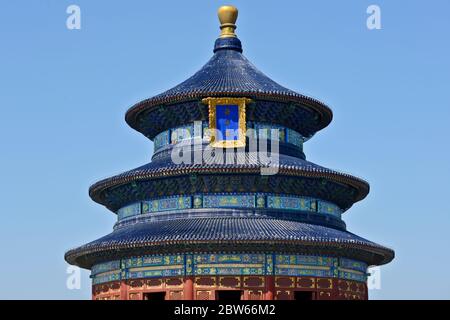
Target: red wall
{"type": "Point", "coordinates": [253, 287]}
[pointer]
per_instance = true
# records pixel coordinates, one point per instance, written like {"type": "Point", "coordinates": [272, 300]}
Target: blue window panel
{"type": "Point", "coordinates": [129, 211]}
{"type": "Point", "coordinates": [227, 122]}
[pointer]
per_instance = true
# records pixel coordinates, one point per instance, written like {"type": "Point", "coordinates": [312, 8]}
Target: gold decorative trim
{"type": "Point", "coordinates": [212, 103]}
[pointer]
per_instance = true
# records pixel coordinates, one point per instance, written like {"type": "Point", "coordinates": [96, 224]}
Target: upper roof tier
{"type": "Point", "coordinates": [227, 73]}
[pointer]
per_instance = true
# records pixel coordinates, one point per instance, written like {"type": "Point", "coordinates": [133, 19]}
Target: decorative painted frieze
{"type": "Point", "coordinates": [166, 204]}
{"type": "Point", "coordinates": [229, 264]}
{"type": "Point", "coordinates": [129, 211]}
{"type": "Point", "coordinates": [260, 201]}
{"type": "Point", "coordinates": [229, 201]}
{"type": "Point", "coordinates": [201, 129]}
{"type": "Point", "coordinates": [291, 203]}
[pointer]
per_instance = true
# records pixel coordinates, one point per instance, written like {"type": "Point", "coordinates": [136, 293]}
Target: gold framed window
{"type": "Point", "coordinates": [227, 121]}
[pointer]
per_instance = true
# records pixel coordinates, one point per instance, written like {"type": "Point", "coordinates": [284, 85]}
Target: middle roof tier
{"type": "Point", "coordinates": [236, 172]}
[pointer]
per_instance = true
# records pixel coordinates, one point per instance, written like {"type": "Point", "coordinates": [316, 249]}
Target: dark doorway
{"type": "Point", "coordinates": [303, 295]}
{"type": "Point", "coordinates": [228, 294]}
{"type": "Point", "coordinates": [155, 296]}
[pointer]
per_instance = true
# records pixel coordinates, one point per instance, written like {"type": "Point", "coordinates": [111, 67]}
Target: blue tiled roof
{"type": "Point", "coordinates": [228, 230]}
{"type": "Point", "coordinates": [163, 166]}
{"type": "Point", "coordinates": [228, 72]}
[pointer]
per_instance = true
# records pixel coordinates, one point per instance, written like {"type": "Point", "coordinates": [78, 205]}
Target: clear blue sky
{"type": "Point", "coordinates": [64, 93]}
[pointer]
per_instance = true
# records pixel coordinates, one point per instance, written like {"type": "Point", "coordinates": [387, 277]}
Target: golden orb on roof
{"type": "Point", "coordinates": [227, 17]}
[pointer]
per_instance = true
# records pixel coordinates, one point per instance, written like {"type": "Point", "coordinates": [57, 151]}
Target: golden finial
{"type": "Point", "coordinates": [227, 17]}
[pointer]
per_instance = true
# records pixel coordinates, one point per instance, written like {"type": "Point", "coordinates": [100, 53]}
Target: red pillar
{"type": "Point", "coordinates": [270, 288]}
{"type": "Point", "coordinates": [189, 288]}
{"type": "Point", "coordinates": [93, 292]}
{"type": "Point", "coordinates": [123, 290]}
{"type": "Point", "coordinates": [366, 292]}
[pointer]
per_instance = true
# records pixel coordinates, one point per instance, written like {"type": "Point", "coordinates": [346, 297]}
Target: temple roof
{"type": "Point", "coordinates": [229, 73]}
{"type": "Point", "coordinates": [180, 234]}
{"type": "Point", "coordinates": [286, 165]}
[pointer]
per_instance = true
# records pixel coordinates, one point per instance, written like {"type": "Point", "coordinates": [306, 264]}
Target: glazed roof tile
{"type": "Point", "coordinates": [286, 165]}
{"type": "Point", "coordinates": [227, 230]}
{"type": "Point", "coordinates": [228, 72]}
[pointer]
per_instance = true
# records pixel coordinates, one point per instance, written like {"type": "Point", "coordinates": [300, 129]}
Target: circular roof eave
{"type": "Point", "coordinates": [228, 73]}
{"type": "Point", "coordinates": [133, 113]}
{"type": "Point", "coordinates": [260, 232]}
{"type": "Point", "coordinates": [97, 189]}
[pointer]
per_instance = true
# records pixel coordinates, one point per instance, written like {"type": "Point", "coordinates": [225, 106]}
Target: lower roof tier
{"type": "Point", "coordinates": [163, 177]}
{"type": "Point", "coordinates": [227, 234]}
